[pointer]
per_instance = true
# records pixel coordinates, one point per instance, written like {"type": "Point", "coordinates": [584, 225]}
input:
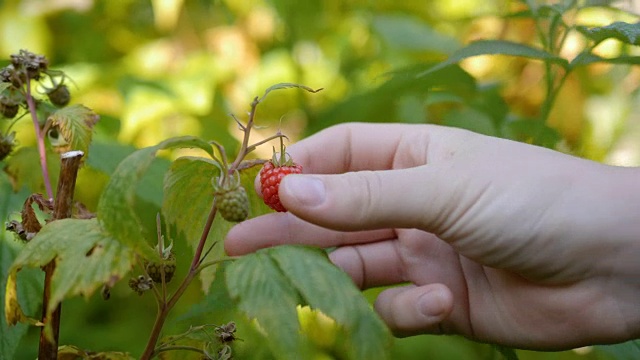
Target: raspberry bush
{"type": "Point", "coordinates": [55, 250]}
{"type": "Point", "coordinates": [82, 252]}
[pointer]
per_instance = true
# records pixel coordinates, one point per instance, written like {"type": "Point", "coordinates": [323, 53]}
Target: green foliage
{"type": "Point", "coordinates": [162, 69]}
{"type": "Point", "coordinates": [408, 33]}
{"type": "Point", "coordinates": [270, 283]}
{"type": "Point", "coordinates": [30, 284]}
{"type": "Point", "coordinates": [625, 32]}
{"type": "Point", "coordinates": [116, 207]}
{"type": "Point", "coordinates": [625, 351]}
{"type": "Point", "coordinates": [72, 126]}
{"type": "Point", "coordinates": [68, 352]}
{"type": "Point", "coordinates": [497, 47]}
{"type": "Point", "coordinates": [85, 256]}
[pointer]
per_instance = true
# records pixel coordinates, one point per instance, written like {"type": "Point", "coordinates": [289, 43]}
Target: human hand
{"type": "Point", "coordinates": [501, 241]}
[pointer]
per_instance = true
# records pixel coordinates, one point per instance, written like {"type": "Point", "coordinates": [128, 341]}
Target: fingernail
{"type": "Point", "coordinates": [431, 304]}
{"type": "Point", "coordinates": [307, 190]}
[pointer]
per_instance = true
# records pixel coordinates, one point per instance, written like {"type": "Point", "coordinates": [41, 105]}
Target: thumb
{"type": "Point", "coordinates": [365, 199]}
{"type": "Point", "coordinates": [411, 310]}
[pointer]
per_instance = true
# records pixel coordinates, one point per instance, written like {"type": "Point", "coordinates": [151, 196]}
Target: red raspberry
{"type": "Point", "coordinates": [270, 177]}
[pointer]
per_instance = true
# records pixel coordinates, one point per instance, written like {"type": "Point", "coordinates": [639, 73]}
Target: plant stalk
{"type": "Point", "coordinates": [165, 307]}
{"type": "Point", "coordinates": [70, 163]}
{"type": "Point", "coordinates": [40, 137]}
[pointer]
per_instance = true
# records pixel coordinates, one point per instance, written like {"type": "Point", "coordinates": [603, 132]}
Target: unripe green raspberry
{"type": "Point", "coordinates": [233, 204]}
{"type": "Point", "coordinates": [155, 271]}
{"type": "Point", "coordinates": [59, 95]}
{"type": "Point", "coordinates": [9, 111]}
{"type": "Point", "coordinates": [6, 145]}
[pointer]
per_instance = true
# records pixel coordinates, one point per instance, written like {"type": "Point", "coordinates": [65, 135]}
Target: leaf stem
{"type": "Point", "coordinates": [40, 137]}
{"type": "Point", "coordinates": [165, 307]}
{"type": "Point", "coordinates": [247, 132]}
{"type": "Point", "coordinates": [177, 347]}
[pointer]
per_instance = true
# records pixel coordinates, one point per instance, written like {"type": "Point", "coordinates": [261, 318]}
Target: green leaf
{"type": "Point", "coordinates": [380, 104]}
{"type": "Point", "coordinates": [23, 169]}
{"type": "Point", "coordinates": [86, 258]}
{"type": "Point", "coordinates": [187, 200]}
{"type": "Point", "coordinates": [107, 157]}
{"type": "Point", "coordinates": [629, 350]}
{"type": "Point", "coordinates": [70, 352]}
{"type": "Point", "coordinates": [265, 293]}
{"type": "Point", "coordinates": [29, 288]}
{"type": "Point", "coordinates": [589, 58]}
{"type": "Point", "coordinates": [531, 131]}
{"type": "Point", "coordinates": [116, 206]}
{"type": "Point", "coordinates": [497, 47]}
{"type": "Point", "coordinates": [287, 86]}
{"type": "Point", "coordinates": [331, 291]}
{"type": "Point", "coordinates": [270, 283]}
{"type": "Point", "coordinates": [625, 32]}
{"type": "Point", "coordinates": [71, 128]}
{"type": "Point", "coordinates": [188, 196]}
{"type": "Point", "coordinates": [507, 353]}
{"type": "Point", "coordinates": [30, 285]}
{"type": "Point", "coordinates": [408, 33]}
{"type": "Point", "coordinates": [470, 119]}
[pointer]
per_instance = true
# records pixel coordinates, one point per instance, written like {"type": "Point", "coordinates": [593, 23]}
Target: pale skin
{"type": "Point", "coordinates": [499, 241]}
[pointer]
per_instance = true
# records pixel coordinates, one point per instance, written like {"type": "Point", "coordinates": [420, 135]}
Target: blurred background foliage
{"type": "Point", "coordinates": [154, 69]}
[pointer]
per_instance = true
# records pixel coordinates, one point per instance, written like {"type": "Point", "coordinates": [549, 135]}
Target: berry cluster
{"type": "Point", "coordinates": [15, 90]}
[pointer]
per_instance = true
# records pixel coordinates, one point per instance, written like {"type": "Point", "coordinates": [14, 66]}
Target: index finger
{"type": "Point", "coordinates": [366, 146]}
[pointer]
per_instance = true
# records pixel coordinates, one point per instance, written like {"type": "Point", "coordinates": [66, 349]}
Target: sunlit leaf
{"type": "Point", "coordinates": [86, 259]}
{"type": "Point", "coordinates": [71, 128]}
{"type": "Point", "coordinates": [70, 352]}
{"type": "Point", "coordinates": [497, 47]}
{"type": "Point", "coordinates": [625, 32]}
{"type": "Point", "coordinates": [271, 282]}
{"type": "Point", "coordinates": [287, 86]}
{"type": "Point", "coordinates": [590, 58]}
{"type": "Point", "coordinates": [116, 207]}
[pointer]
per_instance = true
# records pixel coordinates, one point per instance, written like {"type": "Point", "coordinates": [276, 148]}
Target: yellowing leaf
{"type": "Point", "coordinates": [86, 258]}
{"type": "Point", "coordinates": [71, 128]}
{"type": "Point", "coordinates": [12, 310]}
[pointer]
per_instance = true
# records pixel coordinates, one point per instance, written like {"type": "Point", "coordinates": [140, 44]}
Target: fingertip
{"type": "Point", "coordinates": [232, 244]}
{"type": "Point", "coordinates": [258, 186]}
{"type": "Point", "coordinates": [415, 310]}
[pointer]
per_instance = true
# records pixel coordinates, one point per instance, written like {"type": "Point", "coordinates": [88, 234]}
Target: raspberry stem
{"type": "Point", "coordinates": [40, 137]}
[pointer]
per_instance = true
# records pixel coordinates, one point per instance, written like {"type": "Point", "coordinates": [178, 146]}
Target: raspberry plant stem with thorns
{"type": "Point", "coordinates": [197, 263]}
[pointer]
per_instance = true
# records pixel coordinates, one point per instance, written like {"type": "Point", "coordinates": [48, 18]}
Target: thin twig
{"type": "Point", "coordinates": [40, 137]}
{"type": "Point", "coordinates": [177, 347]}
